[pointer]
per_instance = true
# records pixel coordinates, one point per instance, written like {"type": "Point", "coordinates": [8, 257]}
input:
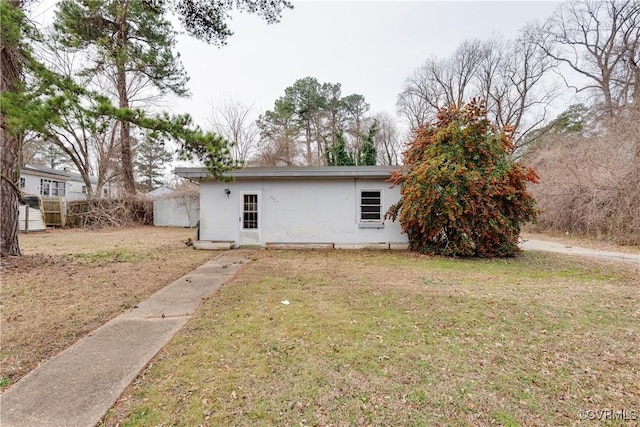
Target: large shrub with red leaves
{"type": "Point", "coordinates": [462, 194]}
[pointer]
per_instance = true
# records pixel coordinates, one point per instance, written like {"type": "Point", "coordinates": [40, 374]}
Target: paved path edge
{"type": "Point", "coordinates": [79, 385]}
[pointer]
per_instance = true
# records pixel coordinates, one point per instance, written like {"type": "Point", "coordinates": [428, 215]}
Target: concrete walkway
{"type": "Point", "coordinates": [544, 245]}
{"type": "Point", "coordinates": [79, 385]}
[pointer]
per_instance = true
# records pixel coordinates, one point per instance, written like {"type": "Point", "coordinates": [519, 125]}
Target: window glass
{"type": "Point", "coordinates": [45, 187]}
{"type": "Point", "coordinates": [250, 212]}
{"type": "Point", "coordinates": [370, 205]}
{"type": "Point", "coordinates": [49, 187]}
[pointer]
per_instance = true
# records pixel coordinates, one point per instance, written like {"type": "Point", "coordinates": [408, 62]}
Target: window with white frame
{"type": "Point", "coordinates": [371, 205]}
{"type": "Point", "coordinates": [50, 187]}
{"type": "Point", "coordinates": [45, 187]}
{"type": "Point", "coordinates": [84, 189]}
{"type": "Point", "coordinates": [23, 182]}
{"type": "Point", "coordinates": [250, 212]}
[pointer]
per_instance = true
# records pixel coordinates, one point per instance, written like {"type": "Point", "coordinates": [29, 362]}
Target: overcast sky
{"type": "Point", "coordinates": [370, 47]}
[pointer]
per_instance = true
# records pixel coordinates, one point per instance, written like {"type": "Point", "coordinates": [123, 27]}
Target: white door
{"type": "Point", "coordinates": [250, 219]}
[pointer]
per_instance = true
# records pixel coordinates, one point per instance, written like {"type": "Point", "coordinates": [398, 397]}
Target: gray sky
{"type": "Point", "coordinates": [370, 47]}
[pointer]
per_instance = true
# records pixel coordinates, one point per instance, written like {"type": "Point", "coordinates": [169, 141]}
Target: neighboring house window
{"type": "Point", "coordinates": [49, 187]}
{"type": "Point", "coordinates": [84, 189]}
{"type": "Point", "coordinates": [57, 188]}
{"type": "Point", "coordinates": [370, 205]}
{"type": "Point", "coordinates": [22, 183]}
{"type": "Point", "coordinates": [250, 212]}
{"type": "Point", "coordinates": [45, 187]}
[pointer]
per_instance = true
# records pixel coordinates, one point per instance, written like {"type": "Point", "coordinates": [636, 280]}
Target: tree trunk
{"type": "Point", "coordinates": [123, 102]}
{"type": "Point", "coordinates": [10, 72]}
{"type": "Point", "coordinates": [308, 141]}
{"type": "Point", "coordinates": [9, 190]}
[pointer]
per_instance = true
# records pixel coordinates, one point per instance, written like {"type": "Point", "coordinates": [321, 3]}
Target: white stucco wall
{"type": "Point", "coordinates": [176, 212]}
{"type": "Point", "coordinates": [296, 211]}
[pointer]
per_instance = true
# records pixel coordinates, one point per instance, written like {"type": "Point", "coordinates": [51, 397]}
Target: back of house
{"type": "Point", "coordinates": [331, 206]}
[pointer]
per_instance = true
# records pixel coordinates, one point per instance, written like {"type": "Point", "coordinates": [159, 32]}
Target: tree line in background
{"type": "Point", "coordinates": [588, 157]}
{"type": "Point", "coordinates": [311, 124]}
{"type": "Point", "coordinates": [89, 111]}
{"type": "Point", "coordinates": [80, 96]}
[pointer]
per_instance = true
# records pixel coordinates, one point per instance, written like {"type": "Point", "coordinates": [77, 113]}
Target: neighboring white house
{"type": "Point", "coordinates": [49, 182]}
{"type": "Point", "coordinates": [332, 206]}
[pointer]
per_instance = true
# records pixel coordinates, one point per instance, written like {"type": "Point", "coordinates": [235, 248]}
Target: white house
{"type": "Point", "coordinates": [332, 206]}
{"type": "Point", "coordinates": [49, 182]}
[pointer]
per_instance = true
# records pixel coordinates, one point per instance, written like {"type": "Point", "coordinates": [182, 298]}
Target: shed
{"type": "Point", "coordinates": [174, 208]}
{"type": "Point", "coordinates": [30, 215]}
{"type": "Point", "coordinates": [330, 206]}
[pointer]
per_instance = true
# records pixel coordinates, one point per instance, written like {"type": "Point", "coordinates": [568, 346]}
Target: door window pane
{"type": "Point", "coordinates": [250, 212]}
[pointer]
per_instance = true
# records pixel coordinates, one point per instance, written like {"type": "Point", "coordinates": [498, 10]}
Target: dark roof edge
{"type": "Point", "coordinates": [47, 173]}
{"type": "Point", "coordinates": [292, 172]}
{"type": "Point", "coordinates": [53, 173]}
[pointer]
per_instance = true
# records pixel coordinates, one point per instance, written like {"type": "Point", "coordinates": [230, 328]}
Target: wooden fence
{"type": "Point", "coordinates": [54, 209]}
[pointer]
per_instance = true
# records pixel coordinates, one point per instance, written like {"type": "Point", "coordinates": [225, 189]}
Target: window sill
{"type": "Point", "coordinates": [371, 225]}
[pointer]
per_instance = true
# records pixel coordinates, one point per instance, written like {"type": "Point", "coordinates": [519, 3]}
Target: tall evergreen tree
{"type": "Point", "coordinates": [368, 154]}
{"type": "Point", "coordinates": [151, 159]}
{"type": "Point", "coordinates": [53, 157]}
{"type": "Point", "coordinates": [12, 23]}
{"type": "Point", "coordinates": [130, 37]}
{"type": "Point", "coordinates": [338, 155]}
{"type": "Point", "coordinates": [306, 101]}
{"type": "Point", "coordinates": [203, 19]}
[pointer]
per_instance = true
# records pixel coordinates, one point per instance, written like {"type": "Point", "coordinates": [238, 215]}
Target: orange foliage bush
{"type": "Point", "coordinates": [462, 195]}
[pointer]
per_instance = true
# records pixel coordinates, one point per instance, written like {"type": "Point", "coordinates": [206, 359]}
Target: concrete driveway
{"type": "Point", "coordinates": [562, 248]}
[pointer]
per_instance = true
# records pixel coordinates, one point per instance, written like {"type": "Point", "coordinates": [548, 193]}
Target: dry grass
{"type": "Point", "coordinates": [69, 282]}
{"type": "Point", "coordinates": [375, 338]}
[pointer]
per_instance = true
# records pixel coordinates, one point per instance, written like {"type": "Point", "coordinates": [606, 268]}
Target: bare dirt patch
{"type": "Point", "coordinates": [69, 282]}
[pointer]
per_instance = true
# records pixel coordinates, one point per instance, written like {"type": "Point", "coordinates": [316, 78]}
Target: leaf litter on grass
{"type": "Point", "coordinates": [379, 338]}
{"type": "Point", "coordinates": [69, 282]}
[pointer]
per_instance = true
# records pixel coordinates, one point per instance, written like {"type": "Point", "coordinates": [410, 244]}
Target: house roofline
{"type": "Point", "coordinates": [56, 174]}
{"type": "Point", "coordinates": [44, 173]}
{"type": "Point", "coordinates": [300, 172]}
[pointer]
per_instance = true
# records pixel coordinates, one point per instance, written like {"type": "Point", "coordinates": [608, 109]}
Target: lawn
{"type": "Point", "coordinates": [70, 282]}
{"type": "Point", "coordinates": [341, 338]}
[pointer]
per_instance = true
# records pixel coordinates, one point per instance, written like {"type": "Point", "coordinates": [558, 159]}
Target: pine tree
{"type": "Point", "coordinates": [338, 155]}
{"type": "Point", "coordinates": [203, 19]}
{"type": "Point", "coordinates": [11, 54]}
{"type": "Point", "coordinates": [151, 160]}
{"type": "Point", "coordinates": [368, 154]}
{"type": "Point", "coordinates": [131, 37]}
